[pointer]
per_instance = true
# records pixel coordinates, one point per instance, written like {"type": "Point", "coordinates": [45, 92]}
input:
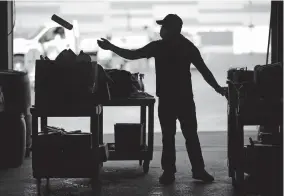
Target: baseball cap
{"type": "Point", "coordinates": [171, 21]}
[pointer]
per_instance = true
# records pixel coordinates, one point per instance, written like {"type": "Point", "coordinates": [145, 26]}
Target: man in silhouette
{"type": "Point", "coordinates": [173, 56]}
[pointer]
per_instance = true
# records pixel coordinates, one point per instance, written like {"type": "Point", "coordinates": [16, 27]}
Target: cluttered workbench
{"type": "Point", "coordinates": [80, 88]}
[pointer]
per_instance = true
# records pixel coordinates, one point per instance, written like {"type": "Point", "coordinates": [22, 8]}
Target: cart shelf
{"type": "Point", "coordinates": [51, 161]}
{"type": "Point", "coordinates": [86, 163]}
{"type": "Point", "coordinates": [146, 154]}
{"type": "Point", "coordinates": [128, 155]}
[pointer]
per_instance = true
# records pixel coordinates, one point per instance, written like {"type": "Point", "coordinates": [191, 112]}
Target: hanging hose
{"type": "Point", "coordinates": [269, 36]}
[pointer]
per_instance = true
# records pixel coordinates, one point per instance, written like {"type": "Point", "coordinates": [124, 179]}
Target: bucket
{"type": "Point", "coordinates": [12, 140]}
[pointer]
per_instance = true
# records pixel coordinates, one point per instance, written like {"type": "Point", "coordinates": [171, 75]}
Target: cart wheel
{"type": "Point", "coordinates": [96, 187]}
{"type": "Point", "coordinates": [47, 184]}
{"type": "Point", "coordinates": [38, 182]}
{"type": "Point", "coordinates": [28, 153]}
{"type": "Point", "coordinates": [238, 179]}
{"type": "Point", "coordinates": [140, 162]}
{"type": "Point", "coordinates": [234, 180]}
{"type": "Point", "coordinates": [95, 184]}
{"type": "Point", "coordinates": [146, 164]}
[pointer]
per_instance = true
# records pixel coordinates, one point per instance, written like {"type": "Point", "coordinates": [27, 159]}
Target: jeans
{"type": "Point", "coordinates": [169, 110]}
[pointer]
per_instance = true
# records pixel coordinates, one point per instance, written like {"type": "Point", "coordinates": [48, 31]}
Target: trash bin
{"type": "Point", "coordinates": [15, 118]}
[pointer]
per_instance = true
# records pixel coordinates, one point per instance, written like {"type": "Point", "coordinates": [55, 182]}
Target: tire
{"type": "Point", "coordinates": [19, 63]}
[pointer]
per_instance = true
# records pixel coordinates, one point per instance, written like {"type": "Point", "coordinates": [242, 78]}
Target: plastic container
{"type": "Point", "coordinates": [12, 140]}
{"type": "Point", "coordinates": [128, 136]}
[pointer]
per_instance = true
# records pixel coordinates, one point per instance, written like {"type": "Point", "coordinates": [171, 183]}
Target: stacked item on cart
{"type": "Point", "coordinates": [259, 90]}
{"type": "Point", "coordinates": [126, 84]}
{"type": "Point", "coordinates": [264, 166]}
{"type": "Point", "coordinates": [128, 130]}
{"type": "Point", "coordinates": [70, 80]}
{"type": "Point", "coordinates": [269, 80]}
{"type": "Point", "coordinates": [64, 146]}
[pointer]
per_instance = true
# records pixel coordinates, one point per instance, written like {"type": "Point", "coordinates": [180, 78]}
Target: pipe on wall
{"type": "Point", "coordinates": [11, 24]}
{"type": "Point", "coordinates": [6, 46]}
{"type": "Point", "coordinates": [277, 31]}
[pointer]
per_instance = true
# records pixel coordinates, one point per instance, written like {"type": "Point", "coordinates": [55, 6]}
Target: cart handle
{"type": "Point", "coordinates": [242, 84]}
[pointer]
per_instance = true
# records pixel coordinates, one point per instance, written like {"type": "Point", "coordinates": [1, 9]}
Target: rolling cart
{"type": "Point", "coordinates": [245, 111]}
{"type": "Point", "coordinates": [145, 155]}
{"type": "Point", "coordinates": [51, 161]}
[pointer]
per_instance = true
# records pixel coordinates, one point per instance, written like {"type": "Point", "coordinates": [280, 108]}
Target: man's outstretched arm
{"type": "Point", "coordinates": [127, 54]}
{"type": "Point", "coordinates": [205, 72]}
{"type": "Point", "coordinates": [144, 52]}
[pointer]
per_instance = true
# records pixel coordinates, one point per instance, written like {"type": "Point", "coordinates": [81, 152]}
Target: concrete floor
{"type": "Point", "coordinates": [126, 177]}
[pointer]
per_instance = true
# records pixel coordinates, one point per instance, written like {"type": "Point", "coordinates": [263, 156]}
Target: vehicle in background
{"type": "Point", "coordinates": [48, 40]}
{"type": "Point", "coordinates": [90, 46]}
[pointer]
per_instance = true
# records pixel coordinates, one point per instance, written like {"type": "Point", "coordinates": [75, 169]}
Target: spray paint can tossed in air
{"type": "Point", "coordinates": [62, 22]}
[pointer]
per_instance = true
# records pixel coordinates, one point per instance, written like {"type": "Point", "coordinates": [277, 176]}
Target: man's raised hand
{"type": "Point", "coordinates": [222, 91]}
{"type": "Point", "coordinates": [104, 44]}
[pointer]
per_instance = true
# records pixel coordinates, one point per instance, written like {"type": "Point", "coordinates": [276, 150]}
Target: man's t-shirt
{"type": "Point", "coordinates": [172, 63]}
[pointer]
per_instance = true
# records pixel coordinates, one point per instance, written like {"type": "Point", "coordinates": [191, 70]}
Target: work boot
{"type": "Point", "coordinates": [167, 178]}
{"type": "Point", "coordinates": [203, 176]}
